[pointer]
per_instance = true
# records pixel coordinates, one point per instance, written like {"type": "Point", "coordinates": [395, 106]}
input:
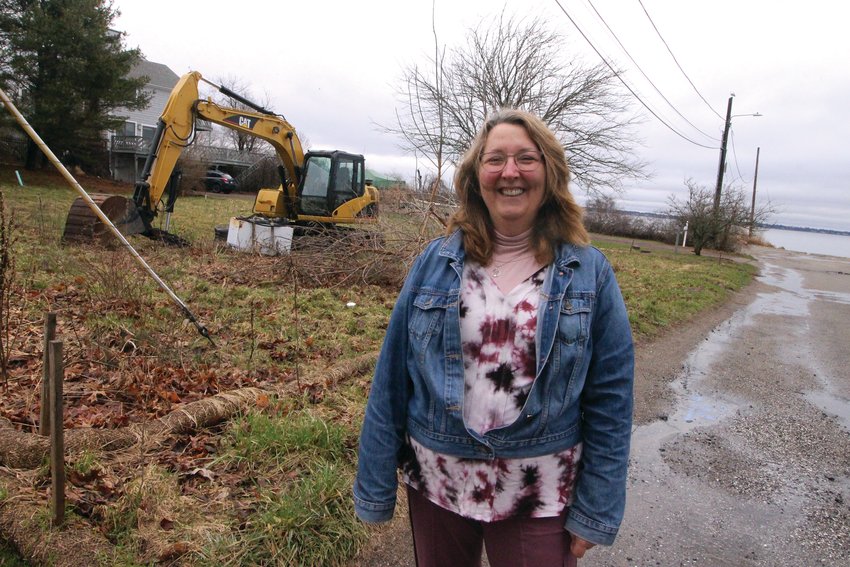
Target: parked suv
{"type": "Point", "coordinates": [219, 182]}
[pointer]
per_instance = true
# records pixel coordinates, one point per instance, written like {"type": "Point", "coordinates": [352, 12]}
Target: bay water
{"type": "Point", "coordinates": [810, 242]}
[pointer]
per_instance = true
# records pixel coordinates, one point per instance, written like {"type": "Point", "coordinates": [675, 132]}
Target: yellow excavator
{"type": "Point", "coordinates": [319, 189]}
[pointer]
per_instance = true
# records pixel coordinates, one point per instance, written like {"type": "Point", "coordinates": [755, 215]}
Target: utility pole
{"type": "Point", "coordinates": [722, 167]}
{"type": "Point", "coordinates": [755, 181]}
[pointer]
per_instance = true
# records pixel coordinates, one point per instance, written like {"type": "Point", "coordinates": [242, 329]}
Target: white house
{"type": "Point", "coordinates": [128, 148]}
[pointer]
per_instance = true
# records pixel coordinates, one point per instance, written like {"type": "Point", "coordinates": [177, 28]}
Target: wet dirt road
{"type": "Point", "coordinates": [752, 468]}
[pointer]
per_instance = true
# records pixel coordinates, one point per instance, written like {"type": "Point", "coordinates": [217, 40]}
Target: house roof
{"type": "Point", "coordinates": [159, 75]}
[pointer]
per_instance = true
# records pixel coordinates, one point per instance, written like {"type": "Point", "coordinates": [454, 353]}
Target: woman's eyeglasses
{"type": "Point", "coordinates": [495, 162]}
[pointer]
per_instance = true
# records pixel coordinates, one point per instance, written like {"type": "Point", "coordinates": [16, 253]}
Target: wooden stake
{"type": "Point", "coordinates": [49, 335]}
{"type": "Point", "coordinates": [57, 435]}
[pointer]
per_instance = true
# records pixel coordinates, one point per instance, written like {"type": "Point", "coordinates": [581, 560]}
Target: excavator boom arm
{"type": "Point", "coordinates": [176, 128]}
{"type": "Point", "coordinates": [273, 129]}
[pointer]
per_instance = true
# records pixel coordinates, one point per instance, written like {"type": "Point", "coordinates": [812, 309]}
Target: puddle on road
{"type": "Point", "coordinates": [793, 299]}
{"type": "Point", "coordinates": [693, 408]}
{"type": "Point", "coordinates": [696, 408]}
{"type": "Point", "coordinates": [703, 409]}
{"type": "Point", "coordinates": [791, 282]}
{"type": "Point", "coordinates": [677, 507]}
{"type": "Point", "coordinates": [831, 404]}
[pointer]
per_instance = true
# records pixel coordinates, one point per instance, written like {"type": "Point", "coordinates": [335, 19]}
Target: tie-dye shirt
{"type": "Point", "coordinates": [499, 356]}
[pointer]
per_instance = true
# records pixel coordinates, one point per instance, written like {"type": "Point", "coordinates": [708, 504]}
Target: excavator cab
{"type": "Point", "coordinates": [330, 180]}
{"type": "Point", "coordinates": [332, 188]}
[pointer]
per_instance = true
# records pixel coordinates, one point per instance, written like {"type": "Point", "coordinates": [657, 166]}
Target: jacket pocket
{"type": "Point", "coordinates": [426, 319]}
{"type": "Point", "coordinates": [573, 320]}
{"type": "Point", "coordinates": [569, 352]}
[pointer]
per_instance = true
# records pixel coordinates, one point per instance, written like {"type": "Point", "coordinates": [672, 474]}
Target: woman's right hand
{"type": "Point", "coordinates": [579, 546]}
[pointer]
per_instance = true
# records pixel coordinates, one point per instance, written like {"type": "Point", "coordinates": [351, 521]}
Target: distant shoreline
{"type": "Point", "coordinates": [759, 225]}
{"type": "Point", "coordinates": [805, 229]}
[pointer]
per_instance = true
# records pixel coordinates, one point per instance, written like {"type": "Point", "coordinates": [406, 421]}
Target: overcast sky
{"type": "Point", "coordinates": [333, 67]}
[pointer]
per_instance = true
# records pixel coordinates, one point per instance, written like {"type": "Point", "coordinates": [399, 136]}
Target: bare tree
{"type": "Point", "coordinates": [601, 215]}
{"type": "Point", "coordinates": [518, 63]}
{"type": "Point", "coordinates": [721, 228]}
{"type": "Point", "coordinates": [436, 144]}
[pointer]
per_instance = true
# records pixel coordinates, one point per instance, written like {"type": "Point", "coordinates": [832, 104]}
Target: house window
{"type": "Point", "coordinates": [148, 133]}
{"type": "Point", "coordinates": [129, 129]}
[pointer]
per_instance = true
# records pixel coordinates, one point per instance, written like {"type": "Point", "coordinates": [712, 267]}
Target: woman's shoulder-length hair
{"type": "Point", "coordinates": [559, 219]}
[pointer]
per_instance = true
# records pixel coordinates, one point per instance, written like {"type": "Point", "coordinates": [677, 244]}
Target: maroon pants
{"type": "Point", "coordinates": [445, 539]}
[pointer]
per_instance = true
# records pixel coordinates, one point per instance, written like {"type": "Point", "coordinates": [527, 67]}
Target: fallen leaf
{"type": "Point", "coordinates": [202, 472]}
{"type": "Point", "coordinates": [170, 396]}
{"type": "Point", "coordinates": [174, 551]}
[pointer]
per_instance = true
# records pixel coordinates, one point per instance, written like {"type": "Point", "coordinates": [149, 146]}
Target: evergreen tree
{"type": "Point", "coordinates": [68, 70]}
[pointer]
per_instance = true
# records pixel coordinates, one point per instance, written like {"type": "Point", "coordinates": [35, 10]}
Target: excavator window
{"type": "Point", "coordinates": [348, 181]}
{"type": "Point", "coordinates": [314, 192]}
{"type": "Point", "coordinates": [344, 188]}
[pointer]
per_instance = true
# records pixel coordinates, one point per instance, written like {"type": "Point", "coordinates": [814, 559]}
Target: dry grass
{"type": "Point", "coordinates": [757, 240]}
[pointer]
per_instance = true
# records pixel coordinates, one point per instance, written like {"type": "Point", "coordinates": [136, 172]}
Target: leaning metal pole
{"type": "Point", "coordinates": [100, 214]}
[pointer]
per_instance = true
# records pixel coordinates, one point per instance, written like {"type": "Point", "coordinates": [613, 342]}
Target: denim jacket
{"type": "Point", "coordinates": [582, 391]}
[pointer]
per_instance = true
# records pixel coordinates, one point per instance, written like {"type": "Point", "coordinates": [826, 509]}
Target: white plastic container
{"type": "Point", "coordinates": [248, 236]}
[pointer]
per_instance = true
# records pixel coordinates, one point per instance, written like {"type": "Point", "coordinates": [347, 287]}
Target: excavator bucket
{"type": "Point", "coordinates": [83, 224]}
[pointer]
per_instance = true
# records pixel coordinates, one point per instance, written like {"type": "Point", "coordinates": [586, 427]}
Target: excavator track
{"type": "Point", "coordinates": [83, 225]}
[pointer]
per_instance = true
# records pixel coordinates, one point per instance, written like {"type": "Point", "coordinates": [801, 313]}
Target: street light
{"type": "Point", "coordinates": [721, 168]}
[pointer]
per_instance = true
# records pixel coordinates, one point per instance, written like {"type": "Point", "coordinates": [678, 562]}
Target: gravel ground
{"type": "Point", "coordinates": [741, 452]}
{"type": "Point", "coordinates": [753, 466]}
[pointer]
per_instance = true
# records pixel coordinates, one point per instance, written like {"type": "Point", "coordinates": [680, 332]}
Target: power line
{"type": "Point", "coordinates": [634, 94]}
{"type": "Point", "coordinates": [735, 156]}
{"type": "Point", "coordinates": [645, 76]}
{"type": "Point", "coordinates": [670, 51]}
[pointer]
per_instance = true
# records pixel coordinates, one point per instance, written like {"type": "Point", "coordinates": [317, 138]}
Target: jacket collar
{"type": "Point", "coordinates": [566, 254]}
{"type": "Point", "coordinates": [452, 247]}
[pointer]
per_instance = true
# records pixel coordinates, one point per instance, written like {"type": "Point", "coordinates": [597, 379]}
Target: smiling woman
{"type": "Point", "coordinates": [511, 179]}
{"type": "Point", "coordinates": [504, 386]}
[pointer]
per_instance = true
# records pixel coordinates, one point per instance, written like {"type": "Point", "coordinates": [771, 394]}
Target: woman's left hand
{"type": "Point", "coordinates": [579, 546]}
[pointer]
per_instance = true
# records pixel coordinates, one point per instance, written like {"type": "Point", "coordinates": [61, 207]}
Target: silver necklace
{"type": "Point", "coordinates": [496, 270]}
